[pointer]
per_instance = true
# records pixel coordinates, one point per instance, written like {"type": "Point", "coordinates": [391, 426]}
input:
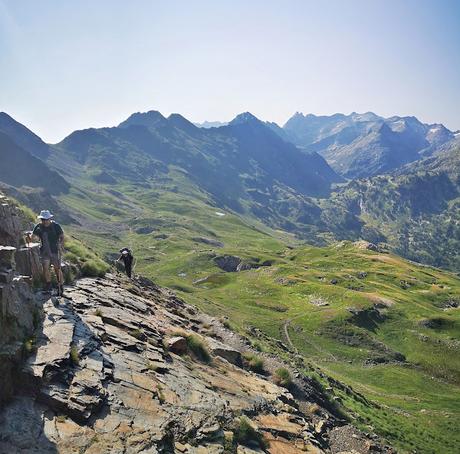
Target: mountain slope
{"type": "Point", "coordinates": [416, 210]}
{"type": "Point", "coordinates": [378, 332]}
{"type": "Point", "coordinates": [362, 145]}
{"type": "Point", "coordinates": [23, 136]}
{"type": "Point", "coordinates": [121, 365]}
{"type": "Point", "coordinates": [20, 168]}
{"type": "Point", "coordinates": [367, 319]}
{"type": "Point", "coordinates": [244, 165]}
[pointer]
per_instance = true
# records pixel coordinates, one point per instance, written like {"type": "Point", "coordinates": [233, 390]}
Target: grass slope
{"type": "Point", "coordinates": [372, 320]}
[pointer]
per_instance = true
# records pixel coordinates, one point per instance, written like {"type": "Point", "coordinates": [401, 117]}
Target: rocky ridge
{"type": "Point", "coordinates": [105, 378]}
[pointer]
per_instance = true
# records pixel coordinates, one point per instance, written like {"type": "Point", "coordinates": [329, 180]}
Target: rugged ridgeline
{"type": "Point", "coordinates": [126, 367]}
{"type": "Point", "coordinates": [415, 210]}
{"type": "Point", "coordinates": [363, 145]}
{"type": "Point", "coordinates": [119, 179]}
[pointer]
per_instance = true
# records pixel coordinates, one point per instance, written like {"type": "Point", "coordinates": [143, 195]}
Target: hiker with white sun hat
{"type": "Point", "coordinates": [51, 238]}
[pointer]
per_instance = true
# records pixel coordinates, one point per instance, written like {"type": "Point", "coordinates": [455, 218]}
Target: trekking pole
{"type": "Point", "coordinates": [27, 238]}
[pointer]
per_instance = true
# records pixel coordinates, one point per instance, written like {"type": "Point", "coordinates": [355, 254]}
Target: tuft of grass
{"type": "Point", "coordinates": [160, 394]}
{"type": "Point", "coordinates": [152, 367]}
{"type": "Point", "coordinates": [245, 434]}
{"type": "Point", "coordinates": [137, 333]}
{"type": "Point", "coordinates": [198, 348]}
{"type": "Point", "coordinates": [98, 312]}
{"type": "Point", "coordinates": [254, 362]}
{"type": "Point", "coordinates": [258, 346]}
{"type": "Point", "coordinates": [85, 259]}
{"type": "Point", "coordinates": [30, 345]}
{"type": "Point", "coordinates": [314, 409]}
{"type": "Point", "coordinates": [94, 268]}
{"type": "Point", "coordinates": [282, 377]}
{"type": "Point", "coordinates": [74, 355]}
{"type": "Point", "coordinates": [226, 323]}
{"type": "Point", "coordinates": [229, 444]}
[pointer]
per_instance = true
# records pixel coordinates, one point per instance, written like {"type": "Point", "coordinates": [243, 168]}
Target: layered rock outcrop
{"type": "Point", "coordinates": [104, 379]}
{"type": "Point", "coordinates": [19, 313]}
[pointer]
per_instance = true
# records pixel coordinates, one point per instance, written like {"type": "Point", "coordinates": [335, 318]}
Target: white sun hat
{"type": "Point", "coordinates": [45, 214]}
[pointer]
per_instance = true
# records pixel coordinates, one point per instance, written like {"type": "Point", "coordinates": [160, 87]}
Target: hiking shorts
{"type": "Point", "coordinates": [51, 259]}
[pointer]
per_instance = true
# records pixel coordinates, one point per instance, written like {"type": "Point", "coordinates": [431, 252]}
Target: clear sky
{"type": "Point", "coordinates": [67, 65]}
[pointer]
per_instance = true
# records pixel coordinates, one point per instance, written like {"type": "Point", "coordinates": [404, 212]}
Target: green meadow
{"type": "Point", "coordinates": [379, 323]}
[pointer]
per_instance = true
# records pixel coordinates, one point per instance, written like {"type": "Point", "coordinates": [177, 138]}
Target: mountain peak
{"type": "Point", "coordinates": [4, 117]}
{"type": "Point", "coordinates": [245, 117]}
{"type": "Point", "coordinates": [150, 118]}
{"type": "Point", "coordinates": [181, 122]}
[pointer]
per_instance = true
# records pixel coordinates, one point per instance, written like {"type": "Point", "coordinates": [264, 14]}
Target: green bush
{"type": "Point", "coordinates": [282, 377]}
{"type": "Point", "coordinates": [94, 268]}
{"type": "Point", "coordinates": [246, 435]}
{"type": "Point", "coordinates": [258, 346]}
{"type": "Point", "coordinates": [197, 347]}
{"type": "Point", "coordinates": [74, 355]}
{"type": "Point", "coordinates": [254, 362]}
{"type": "Point", "coordinates": [87, 261]}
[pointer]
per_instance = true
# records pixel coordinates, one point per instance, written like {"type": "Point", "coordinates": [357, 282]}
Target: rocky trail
{"type": "Point", "coordinates": [121, 366]}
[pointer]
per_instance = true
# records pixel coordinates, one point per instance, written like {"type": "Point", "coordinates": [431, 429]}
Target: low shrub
{"type": "Point", "coordinates": [245, 434]}
{"type": "Point", "coordinates": [89, 264]}
{"type": "Point", "coordinates": [253, 362]}
{"type": "Point", "coordinates": [94, 268]}
{"type": "Point", "coordinates": [198, 348]}
{"type": "Point", "coordinates": [282, 377]}
{"type": "Point", "coordinates": [137, 333]}
{"type": "Point", "coordinates": [74, 355]}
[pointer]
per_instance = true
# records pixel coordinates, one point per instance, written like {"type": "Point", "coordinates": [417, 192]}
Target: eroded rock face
{"type": "Point", "coordinates": [10, 223]}
{"type": "Point", "coordinates": [18, 308]}
{"type": "Point", "coordinates": [101, 371]}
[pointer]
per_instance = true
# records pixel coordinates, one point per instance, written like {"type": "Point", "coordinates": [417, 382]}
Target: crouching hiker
{"type": "Point", "coordinates": [51, 238]}
{"type": "Point", "coordinates": [127, 258]}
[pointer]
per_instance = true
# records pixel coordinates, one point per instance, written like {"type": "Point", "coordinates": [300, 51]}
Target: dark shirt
{"type": "Point", "coordinates": [127, 259]}
{"type": "Point", "coordinates": [49, 237]}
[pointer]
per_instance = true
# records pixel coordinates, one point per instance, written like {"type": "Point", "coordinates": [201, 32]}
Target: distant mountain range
{"type": "Point", "coordinates": [253, 168]}
{"type": "Point", "coordinates": [242, 164]}
{"type": "Point", "coordinates": [211, 124]}
{"type": "Point", "coordinates": [363, 145]}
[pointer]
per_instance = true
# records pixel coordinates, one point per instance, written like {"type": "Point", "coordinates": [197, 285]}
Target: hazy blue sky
{"type": "Point", "coordinates": [67, 65]}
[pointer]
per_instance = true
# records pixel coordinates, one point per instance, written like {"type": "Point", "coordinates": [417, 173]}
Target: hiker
{"type": "Point", "coordinates": [51, 238]}
{"type": "Point", "coordinates": [127, 258]}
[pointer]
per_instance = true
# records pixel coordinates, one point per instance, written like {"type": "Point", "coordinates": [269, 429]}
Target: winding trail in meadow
{"type": "Point", "coordinates": [286, 325]}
